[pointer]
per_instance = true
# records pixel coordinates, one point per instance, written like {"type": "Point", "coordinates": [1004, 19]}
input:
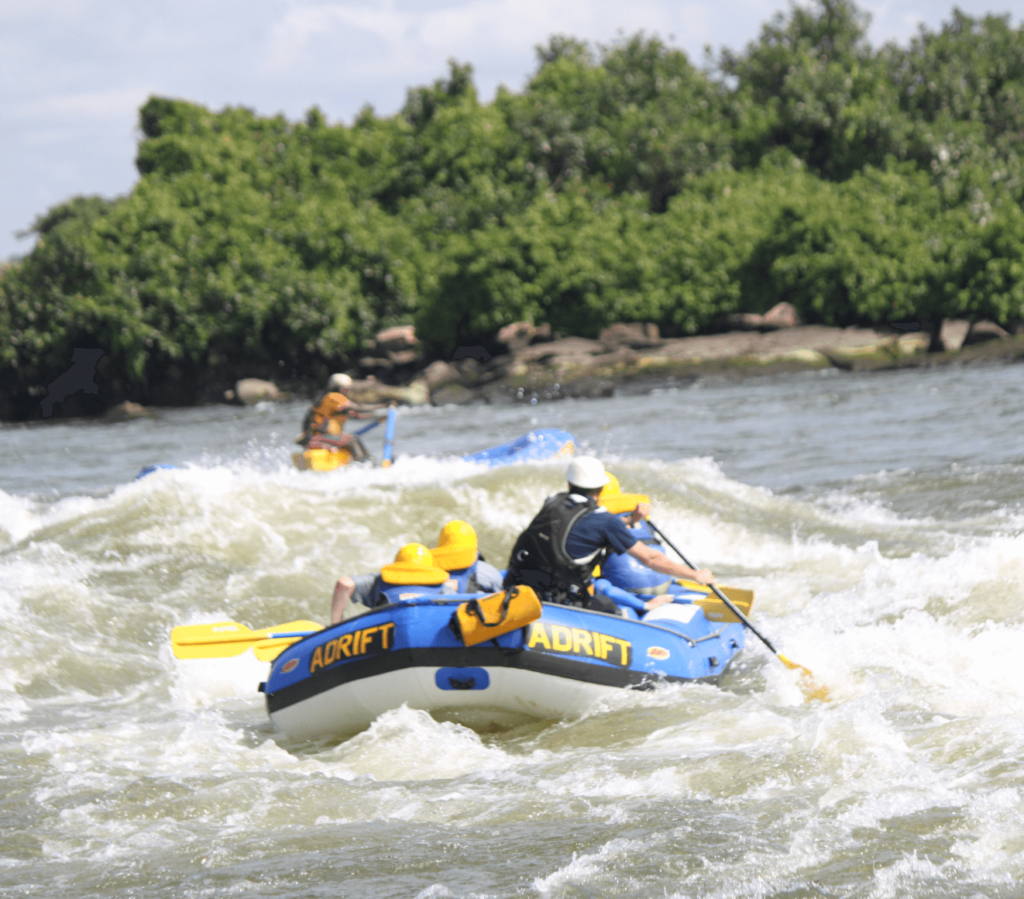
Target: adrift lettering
{"type": "Point", "coordinates": [578, 642]}
{"type": "Point", "coordinates": [348, 646]}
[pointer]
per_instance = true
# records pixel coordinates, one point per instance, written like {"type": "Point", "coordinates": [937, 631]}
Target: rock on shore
{"type": "Point", "coordinates": [633, 357]}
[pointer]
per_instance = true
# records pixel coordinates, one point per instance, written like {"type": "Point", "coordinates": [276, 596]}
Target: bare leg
{"type": "Point", "coordinates": [342, 595]}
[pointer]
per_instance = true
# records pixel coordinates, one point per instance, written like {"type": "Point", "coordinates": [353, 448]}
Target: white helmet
{"type": "Point", "coordinates": [586, 472]}
{"type": "Point", "coordinates": [339, 381]}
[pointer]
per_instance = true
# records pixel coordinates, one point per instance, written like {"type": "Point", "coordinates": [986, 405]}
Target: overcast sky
{"type": "Point", "coordinates": [73, 73]}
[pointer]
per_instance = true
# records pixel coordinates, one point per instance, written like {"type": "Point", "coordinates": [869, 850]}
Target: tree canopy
{"type": "Point", "coordinates": [863, 185]}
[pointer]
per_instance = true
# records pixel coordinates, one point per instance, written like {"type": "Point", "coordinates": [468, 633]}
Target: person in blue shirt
{"type": "Point", "coordinates": [557, 552]}
{"type": "Point", "coordinates": [412, 574]}
{"type": "Point", "coordinates": [458, 553]}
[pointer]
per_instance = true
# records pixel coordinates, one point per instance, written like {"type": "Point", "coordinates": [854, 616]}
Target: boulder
{"type": "Point", "coordinates": [636, 335]}
{"type": "Point", "coordinates": [624, 355]}
{"type": "Point", "coordinates": [953, 333]}
{"type": "Point", "coordinates": [127, 411]}
{"type": "Point", "coordinates": [375, 363]}
{"type": "Point", "coordinates": [468, 367]}
{"type": "Point", "coordinates": [439, 373]}
{"type": "Point", "coordinates": [912, 343]}
{"type": "Point", "coordinates": [396, 339]}
{"type": "Point", "coordinates": [403, 357]}
{"type": "Point", "coordinates": [571, 362]}
{"type": "Point", "coordinates": [250, 391]}
{"type": "Point", "coordinates": [743, 321]}
{"type": "Point", "coordinates": [567, 346]}
{"type": "Point", "coordinates": [476, 353]}
{"type": "Point", "coordinates": [520, 335]}
{"type": "Point", "coordinates": [781, 315]}
{"type": "Point", "coordinates": [453, 394]}
{"type": "Point", "coordinates": [517, 336]}
{"type": "Point", "coordinates": [984, 330]}
{"type": "Point", "coordinates": [372, 391]}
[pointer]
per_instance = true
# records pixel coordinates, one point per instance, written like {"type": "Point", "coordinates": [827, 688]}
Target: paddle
{"type": "Point", "coordinates": [712, 606]}
{"type": "Point", "coordinates": [815, 691]}
{"type": "Point", "coordinates": [389, 438]}
{"type": "Point", "coordinates": [229, 638]}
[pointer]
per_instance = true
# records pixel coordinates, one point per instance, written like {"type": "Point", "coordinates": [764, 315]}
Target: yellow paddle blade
{"type": "Point", "coordinates": [229, 638]}
{"type": "Point", "coordinates": [812, 689]}
{"type": "Point", "coordinates": [204, 633]}
{"type": "Point", "coordinates": [268, 650]}
{"type": "Point", "coordinates": [208, 650]}
{"type": "Point", "coordinates": [714, 608]}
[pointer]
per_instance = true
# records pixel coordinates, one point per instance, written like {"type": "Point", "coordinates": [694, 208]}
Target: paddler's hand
{"type": "Point", "coordinates": [641, 511]}
{"type": "Point", "coordinates": [658, 601]}
{"type": "Point", "coordinates": [704, 576]}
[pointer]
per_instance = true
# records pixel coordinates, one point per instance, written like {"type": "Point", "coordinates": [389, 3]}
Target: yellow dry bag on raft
{"type": "Point", "coordinates": [491, 616]}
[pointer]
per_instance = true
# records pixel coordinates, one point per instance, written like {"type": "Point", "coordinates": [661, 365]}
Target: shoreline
{"type": "Point", "coordinates": [549, 375]}
{"type": "Point", "coordinates": [627, 359]}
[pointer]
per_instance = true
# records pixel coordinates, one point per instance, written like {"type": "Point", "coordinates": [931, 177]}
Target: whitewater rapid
{"type": "Point", "coordinates": [879, 520]}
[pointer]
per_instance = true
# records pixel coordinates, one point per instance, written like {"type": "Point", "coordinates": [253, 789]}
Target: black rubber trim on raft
{"type": "Point", "coordinates": [464, 657]}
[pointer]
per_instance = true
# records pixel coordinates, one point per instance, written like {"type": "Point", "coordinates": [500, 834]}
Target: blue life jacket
{"type": "Point", "coordinates": [476, 579]}
{"type": "Point", "coordinates": [465, 580]}
{"type": "Point", "coordinates": [385, 593]}
{"type": "Point", "coordinates": [628, 573]}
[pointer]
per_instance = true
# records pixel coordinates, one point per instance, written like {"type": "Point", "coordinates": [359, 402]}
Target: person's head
{"type": "Point", "coordinates": [338, 383]}
{"type": "Point", "coordinates": [586, 475]}
{"type": "Point", "coordinates": [457, 546]}
{"type": "Point", "coordinates": [413, 564]}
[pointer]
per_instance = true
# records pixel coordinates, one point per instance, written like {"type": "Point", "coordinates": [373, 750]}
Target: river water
{"type": "Point", "coordinates": [878, 517]}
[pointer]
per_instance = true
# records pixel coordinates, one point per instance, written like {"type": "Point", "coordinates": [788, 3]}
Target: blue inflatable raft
{"type": "Point", "coordinates": [338, 680]}
{"type": "Point", "coordinates": [543, 443]}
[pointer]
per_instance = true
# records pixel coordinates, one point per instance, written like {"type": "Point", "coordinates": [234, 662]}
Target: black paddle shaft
{"type": "Point", "coordinates": [728, 602]}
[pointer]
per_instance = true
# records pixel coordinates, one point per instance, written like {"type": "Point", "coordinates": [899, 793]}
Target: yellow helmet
{"type": "Point", "coordinates": [456, 547]}
{"type": "Point", "coordinates": [611, 487]}
{"type": "Point", "coordinates": [617, 502]}
{"type": "Point", "coordinates": [413, 564]}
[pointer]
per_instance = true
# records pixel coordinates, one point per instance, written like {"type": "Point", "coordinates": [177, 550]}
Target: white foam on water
{"type": "Point", "coordinates": [435, 891]}
{"type": "Point", "coordinates": [151, 757]}
{"type": "Point", "coordinates": [21, 517]}
{"type": "Point", "coordinates": [585, 868]}
{"type": "Point", "coordinates": [408, 744]}
{"type": "Point", "coordinates": [204, 683]}
{"type": "Point", "coordinates": [913, 876]}
{"type": "Point", "coordinates": [997, 843]}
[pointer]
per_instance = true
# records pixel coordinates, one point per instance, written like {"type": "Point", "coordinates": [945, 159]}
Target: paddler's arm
{"type": "Point", "coordinates": [664, 565]}
{"type": "Point", "coordinates": [641, 511]}
{"type": "Point", "coordinates": [624, 598]}
{"type": "Point", "coordinates": [367, 411]}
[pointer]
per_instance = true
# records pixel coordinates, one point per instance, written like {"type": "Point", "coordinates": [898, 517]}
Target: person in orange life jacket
{"type": "Point", "coordinates": [324, 424]}
{"type": "Point", "coordinates": [412, 574]}
{"type": "Point", "coordinates": [457, 552]}
{"type": "Point", "coordinates": [557, 552]}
